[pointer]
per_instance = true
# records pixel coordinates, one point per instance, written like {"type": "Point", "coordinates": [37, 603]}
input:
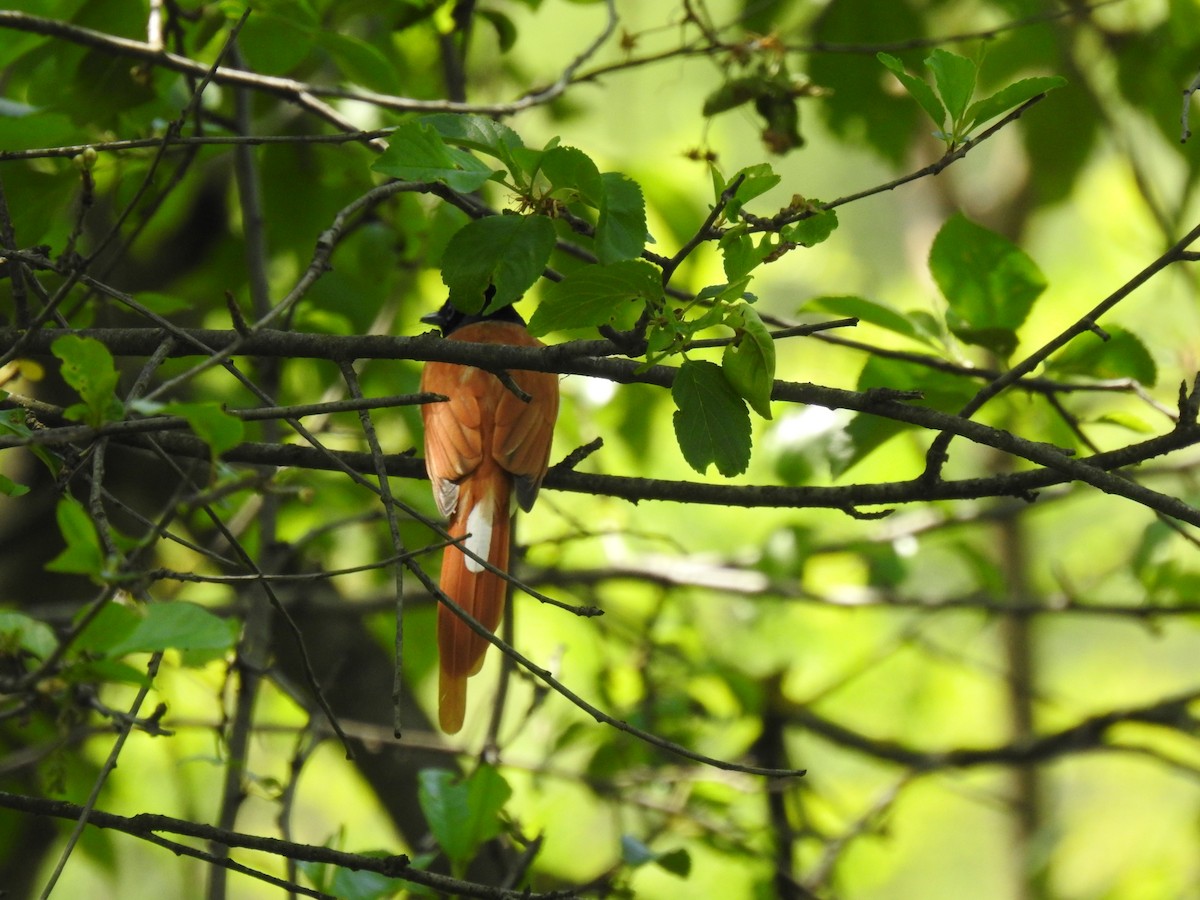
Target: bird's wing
{"type": "Point", "coordinates": [453, 439]}
{"type": "Point", "coordinates": [524, 431]}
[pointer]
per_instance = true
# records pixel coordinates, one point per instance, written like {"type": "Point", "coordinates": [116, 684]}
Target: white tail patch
{"type": "Point", "coordinates": [479, 529]}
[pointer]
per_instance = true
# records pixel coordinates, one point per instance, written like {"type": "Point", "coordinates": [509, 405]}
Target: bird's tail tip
{"type": "Point", "coordinates": [452, 702]}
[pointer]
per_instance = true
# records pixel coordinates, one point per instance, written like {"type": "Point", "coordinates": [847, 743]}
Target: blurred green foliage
{"type": "Point", "coordinates": [992, 697]}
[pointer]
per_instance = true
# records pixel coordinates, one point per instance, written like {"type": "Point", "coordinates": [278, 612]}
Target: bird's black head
{"type": "Point", "coordinates": [450, 318]}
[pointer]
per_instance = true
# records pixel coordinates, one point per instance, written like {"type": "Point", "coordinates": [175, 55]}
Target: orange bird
{"type": "Point", "coordinates": [486, 451]}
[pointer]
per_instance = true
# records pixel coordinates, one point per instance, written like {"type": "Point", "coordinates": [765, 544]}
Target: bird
{"type": "Point", "coordinates": [486, 451]}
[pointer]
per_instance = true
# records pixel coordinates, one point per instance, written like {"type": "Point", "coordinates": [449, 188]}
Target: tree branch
{"type": "Point", "coordinates": [563, 359]}
{"type": "Point", "coordinates": [1087, 735]}
{"type": "Point", "coordinates": [147, 825]}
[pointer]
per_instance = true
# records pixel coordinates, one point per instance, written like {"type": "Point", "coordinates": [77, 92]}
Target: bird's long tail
{"type": "Point", "coordinates": [483, 513]}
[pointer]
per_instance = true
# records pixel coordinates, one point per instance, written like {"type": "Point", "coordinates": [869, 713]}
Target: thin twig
{"type": "Point", "coordinates": [123, 732]}
{"type": "Point", "coordinates": [593, 711]}
{"type": "Point", "coordinates": [389, 510]}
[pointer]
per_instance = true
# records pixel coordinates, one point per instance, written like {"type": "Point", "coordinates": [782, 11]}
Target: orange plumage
{"type": "Point", "coordinates": [486, 451]}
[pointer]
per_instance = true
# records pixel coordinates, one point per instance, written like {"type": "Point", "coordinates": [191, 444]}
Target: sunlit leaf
{"type": "Point", "coordinates": [212, 424]}
{"type": "Point", "coordinates": [813, 229]}
{"type": "Point", "coordinates": [954, 76]}
{"type": "Point", "coordinates": [478, 133]}
{"type": "Point", "coordinates": [756, 180]}
{"type": "Point", "coordinates": [613, 294]}
{"type": "Point", "coordinates": [416, 152]}
{"type": "Point", "coordinates": [918, 88]}
{"type": "Point", "coordinates": [572, 174]}
{"type": "Point", "coordinates": [749, 364]}
{"type": "Point", "coordinates": [740, 253]}
{"type": "Point", "coordinates": [112, 625]}
{"type": "Point", "coordinates": [1011, 97]}
{"type": "Point", "coordinates": [176, 625]}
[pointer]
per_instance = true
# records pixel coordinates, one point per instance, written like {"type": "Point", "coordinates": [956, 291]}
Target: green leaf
{"type": "Point", "coordinates": [88, 367]}
{"type": "Point", "coordinates": [677, 862]}
{"type": "Point", "coordinates": [955, 78]}
{"type": "Point", "coordinates": [277, 41]}
{"type": "Point", "coordinates": [462, 814]}
{"type": "Point", "coordinates": [865, 433]}
{"type": "Point", "coordinates": [613, 294]}
{"type": "Point", "coordinates": [1123, 355]}
{"type": "Point", "coordinates": [212, 424]}
{"type": "Point", "coordinates": [1011, 97]}
{"type": "Point", "coordinates": [110, 626]}
{"type": "Point", "coordinates": [478, 133]}
{"type": "Point", "coordinates": [83, 554]}
{"type": "Point", "coordinates": [163, 304]}
{"type": "Point", "coordinates": [487, 792]}
{"type": "Point", "coordinates": [176, 625]}
{"type": "Point", "coordinates": [919, 89]}
{"type": "Point", "coordinates": [740, 255]}
{"type": "Point", "coordinates": [572, 174]}
{"type": "Point", "coordinates": [474, 132]}
{"type": "Point", "coordinates": [750, 363]}
{"type": "Point", "coordinates": [10, 488]}
{"type": "Point", "coordinates": [416, 152]}
{"type": "Point", "coordinates": [363, 63]}
{"type": "Point", "coordinates": [506, 31]}
{"type": "Point", "coordinates": [712, 424]}
{"type": "Point", "coordinates": [813, 229]}
{"type": "Point", "coordinates": [635, 853]}
{"type": "Point", "coordinates": [864, 310]}
{"type": "Point", "coordinates": [444, 801]}
{"type": "Point", "coordinates": [19, 632]}
{"type": "Point", "coordinates": [348, 885]}
{"type": "Point", "coordinates": [102, 89]}
{"type": "Point", "coordinates": [757, 180]}
{"type": "Point", "coordinates": [621, 226]}
{"type": "Point", "coordinates": [1128, 421]}
{"type": "Point", "coordinates": [989, 283]}
{"type": "Point", "coordinates": [508, 253]}
{"type": "Point", "coordinates": [107, 670]}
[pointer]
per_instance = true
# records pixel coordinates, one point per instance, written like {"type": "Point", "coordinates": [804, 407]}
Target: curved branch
{"type": "Point", "coordinates": [290, 89]}
{"type": "Point", "coordinates": [565, 359]}
{"type": "Point", "coordinates": [563, 478]}
{"type": "Point", "coordinates": [1087, 735]}
{"type": "Point", "coordinates": [148, 825]}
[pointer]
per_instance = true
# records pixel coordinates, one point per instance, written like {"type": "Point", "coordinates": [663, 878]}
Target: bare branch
{"type": "Point", "coordinates": [147, 826]}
